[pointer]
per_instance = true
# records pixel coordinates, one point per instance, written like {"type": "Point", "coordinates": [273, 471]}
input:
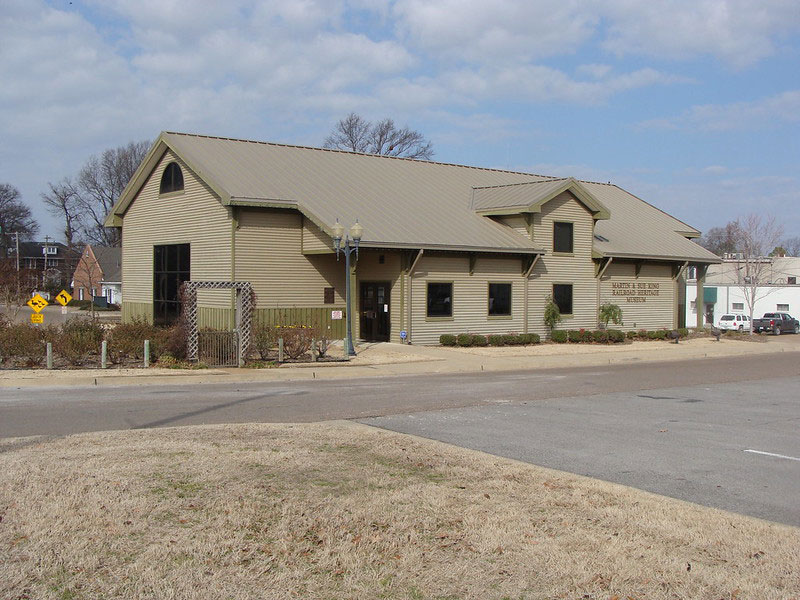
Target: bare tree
{"type": "Point", "coordinates": [722, 240]}
{"type": "Point", "coordinates": [15, 217]}
{"type": "Point", "coordinates": [792, 246]}
{"type": "Point", "coordinates": [99, 185]}
{"type": "Point", "coordinates": [63, 201]}
{"type": "Point", "coordinates": [359, 135]}
{"type": "Point", "coordinates": [757, 236]}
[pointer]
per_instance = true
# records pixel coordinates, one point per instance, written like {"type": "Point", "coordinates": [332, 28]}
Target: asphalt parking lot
{"type": "Point", "coordinates": [734, 446]}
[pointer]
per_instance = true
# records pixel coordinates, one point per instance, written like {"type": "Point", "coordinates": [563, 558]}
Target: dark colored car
{"type": "Point", "coordinates": [777, 323]}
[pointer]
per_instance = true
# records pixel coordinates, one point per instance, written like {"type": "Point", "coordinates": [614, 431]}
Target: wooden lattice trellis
{"type": "Point", "coordinates": [244, 312]}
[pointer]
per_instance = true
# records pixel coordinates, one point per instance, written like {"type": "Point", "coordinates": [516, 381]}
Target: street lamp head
{"type": "Point", "coordinates": [356, 231]}
{"type": "Point", "coordinates": [338, 232]}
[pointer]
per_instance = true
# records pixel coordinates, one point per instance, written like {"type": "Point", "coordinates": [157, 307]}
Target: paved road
{"type": "Point", "coordinates": [732, 446]}
{"type": "Point", "coordinates": [624, 423]}
{"type": "Point", "coordinates": [59, 411]}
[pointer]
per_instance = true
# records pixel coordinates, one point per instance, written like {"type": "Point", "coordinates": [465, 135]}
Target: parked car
{"type": "Point", "coordinates": [734, 322]}
{"type": "Point", "coordinates": [777, 323]}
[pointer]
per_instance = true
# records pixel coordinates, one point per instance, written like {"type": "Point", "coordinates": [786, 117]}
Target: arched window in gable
{"type": "Point", "coordinates": [172, 179]}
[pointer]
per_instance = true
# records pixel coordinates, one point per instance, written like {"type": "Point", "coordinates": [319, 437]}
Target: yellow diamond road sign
{"type": "Point", "coordinates": [63, 298]}
{"type": "Point", "coordinates": [37, 318]}
{"type": "Point", "coordinates": [37, 303]}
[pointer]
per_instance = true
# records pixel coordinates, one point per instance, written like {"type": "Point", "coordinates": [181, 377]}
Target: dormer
{"type": "Point", "coordinates": [529, 197]}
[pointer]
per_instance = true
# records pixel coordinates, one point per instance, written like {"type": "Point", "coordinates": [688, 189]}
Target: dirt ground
{"type": "Point", "coordinates": [339, 510]}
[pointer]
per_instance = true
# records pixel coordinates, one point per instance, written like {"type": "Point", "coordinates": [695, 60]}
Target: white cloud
{"type": "Point", "coordinates": [759, 114]}
{"type": "Point", "coordinates": [738, 32]}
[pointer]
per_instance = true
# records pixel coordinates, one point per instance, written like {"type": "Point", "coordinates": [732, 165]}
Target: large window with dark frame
{"type": "Point", "coordinates": [170, 270]}
{"type": "Point", "coordinates": [499, 299]}
{"type": "Point", "coordinates": [562, 296]}
{"type": "Point", "coordinates": [440, 300]}
{"type": "Point", "coordinates": [172, 179]}
{"type": "Point", "coordinates": [562, 237]}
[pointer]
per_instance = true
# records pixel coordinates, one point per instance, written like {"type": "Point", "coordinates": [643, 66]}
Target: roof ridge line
{"type": "Point", "coordinates": [367, 154]}
{"type": "Point", "coordinates": [547, 179]}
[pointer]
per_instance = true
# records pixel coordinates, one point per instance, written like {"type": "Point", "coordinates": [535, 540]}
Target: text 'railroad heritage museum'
{"type": "Point", "coordinates": [445, 248]}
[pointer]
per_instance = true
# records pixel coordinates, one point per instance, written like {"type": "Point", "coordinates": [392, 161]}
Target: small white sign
{"type": "Point", "coordinates": [385, 308]}
{"type": "Point", "coordinates": [336, 315]}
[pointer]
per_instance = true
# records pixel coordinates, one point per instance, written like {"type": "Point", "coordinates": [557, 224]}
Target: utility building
{"type": "Point", "coordinates": [445, 248]}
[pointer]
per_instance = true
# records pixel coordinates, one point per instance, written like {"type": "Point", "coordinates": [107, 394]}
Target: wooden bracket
{"type": "Point", "coordinates": [528, 263]}
{"type": "Point", "coordinates": [473, 258]}
{"type": "Point", "coordinates": [602, 269]}
{"type": "Point", "coordinates": [678, 270]}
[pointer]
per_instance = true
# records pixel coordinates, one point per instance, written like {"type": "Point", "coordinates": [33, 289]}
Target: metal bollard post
{"type": "Point", "coordinates": [280, 350]}
{"type": "Point", "coordinates": [146, 354]}
{"type": "Point", "coordinates": [49, 355]}
{"type": "Point", "coordinates": [104, 355]}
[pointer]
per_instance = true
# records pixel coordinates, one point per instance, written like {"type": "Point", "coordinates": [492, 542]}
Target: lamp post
{"type": "Point", "coordinates": [351, 242]}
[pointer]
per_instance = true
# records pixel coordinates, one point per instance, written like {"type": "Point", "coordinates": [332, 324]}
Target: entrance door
{"type": "Point", "coordinates": [375, 311]}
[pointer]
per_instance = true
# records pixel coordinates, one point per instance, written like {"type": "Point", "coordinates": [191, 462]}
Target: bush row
{"type": "Point", "coordinates": [656, 334]}
{"type": "Point", "coordinates": [506, 339]}
{"type": "Point", "coordinates": [77, 340]}
{"type": "Point", "coordinates": [588, 336]}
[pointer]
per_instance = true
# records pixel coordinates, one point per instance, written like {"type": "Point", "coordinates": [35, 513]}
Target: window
{"type": "Point", "coordinates": [791, 280]}
{"type": "Point", "coordinates": [783, 308]}
{"type": "Point", "coordinates": [80, 293]}
{"type": "Point", "coordinates": [738, 306]}
{"type": "Point", "coordinates": [170, 270]}
{"type": "Point", "coordinates": [440, 300]}
{"type": "Point", "coordinates": [562, 237]}
{"type": "Point", "coordinates": [172, 179]}
{"type": "Point", "coordinates": [499, 299]}
{"type": "Point", "coordinates": [562, 296]}
{"type": "Point", "coordinates": [329, 295]}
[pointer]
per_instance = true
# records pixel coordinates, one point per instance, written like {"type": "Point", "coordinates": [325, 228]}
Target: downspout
{"type": "Point", "coordinates": [410, 290]}
{"type": "Point", "coordinates": [525, 303]}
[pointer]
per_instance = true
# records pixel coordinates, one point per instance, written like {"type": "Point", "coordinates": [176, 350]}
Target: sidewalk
{"type": "Point", "coordinates": [388, 359]}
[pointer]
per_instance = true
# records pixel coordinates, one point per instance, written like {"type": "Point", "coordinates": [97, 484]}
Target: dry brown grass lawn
{"type": "Point", "coordinates": [339, 510]}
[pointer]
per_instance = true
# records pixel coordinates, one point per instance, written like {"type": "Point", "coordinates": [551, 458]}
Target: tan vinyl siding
{"type": "Point", "coordinates": [470, 296]}
{"type": "Point", "coordinates": [370, 269]}
{"type": "Point", "coordinates": [268, 255]}
{"type": "Point", "coordinates": [516, 222]}
{"type": "Point", "coordinates": [137, 311]}
{"type": "Point", "coordinates": [576, 268]}
{"type": "Point", "coordinates": [315, 241]}
{"type": "Point", "coordinates": [195, 217]}
{"type": "Point", "coordinates": [657, 311]}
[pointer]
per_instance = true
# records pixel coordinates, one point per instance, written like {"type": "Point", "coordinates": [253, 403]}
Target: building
{"type": "Point", "coordinates": [44, 265]}
{"type": "Point", "coordinates": [99, 274]}
{"type": "Point", "coordinates": [724, 288]}
{"type": "Point", "coordinates": [445, 248]}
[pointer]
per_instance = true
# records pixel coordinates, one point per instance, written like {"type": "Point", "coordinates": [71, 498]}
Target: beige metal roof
{"type": "Point", "coordinates": [531, 196]}
{"type": "Point", "coordinates": [400, 202]}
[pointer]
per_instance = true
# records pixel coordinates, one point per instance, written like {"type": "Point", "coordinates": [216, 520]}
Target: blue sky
{"type": "Point", "coordinates": [693, 106]}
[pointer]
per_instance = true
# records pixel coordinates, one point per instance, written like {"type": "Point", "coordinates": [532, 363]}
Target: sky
{"type": "Point", "coordinates": [692, 105]}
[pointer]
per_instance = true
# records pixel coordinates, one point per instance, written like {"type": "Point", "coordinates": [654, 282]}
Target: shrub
{"type": "Point", "coordinates": [552, 314]}
{"type": "Point", "coordinates": [600, 336]}
{"type": "Point", "coordinates": [497, 340]}
{"type": "Point", "coordinates": [610, 312]}
{"type": "Point", "coordinates": [479, 340]}
{"type": "Point", "coordinates": [574, 336]}
{"type": "Point", "coordinates": [447, 339]}
{"type": "Point", "coordinates": [464, 340]}
{"type": "Point", "coordinates": [643, 334]}
{"type": "Point", "coordinates": [559, 337]}
{"type": "Point", "coordinates": [683, 332]}
{"type": "Point", "coordinates": [510, 339]}
{"type": "Point", "coordinates": [297, 340]}
{"type": "Point", "coordinates": [527, 339]}
{"type": "Point", "coordinates": [174, 340]}
{"type": "Point", "coordinates": [127, 339]}
{"type": "Point", "coordinates": [25, 343]}
{"type": "Point", "coordinates": [660, 334]}
{"type": "Point", "coordinates": [264, 338]}
{"type": "Point", "coordinates": [631, 335]}
{"type": "Point", "coordinates": [77, 338]}
{"type": "Point", "coordinates": [615, 336]}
